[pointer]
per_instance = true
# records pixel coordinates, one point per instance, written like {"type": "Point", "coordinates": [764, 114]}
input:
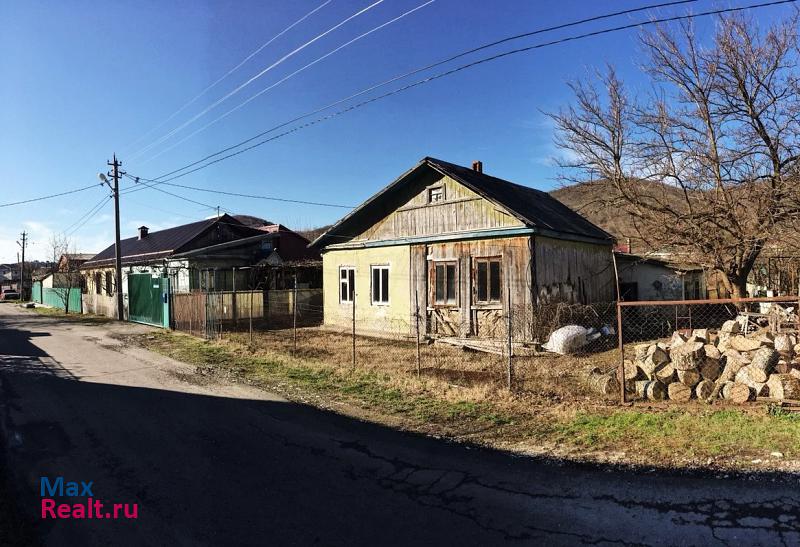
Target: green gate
{"type": "Point", "coordinates": [148, 299]}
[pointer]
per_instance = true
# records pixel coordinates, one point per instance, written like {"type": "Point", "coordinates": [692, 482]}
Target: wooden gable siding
{"type": "Point", "coordinates": [462, 210]}
{"type": "Point", "coordinates": [218, 233]}
{"type": "Point", "coordinates": [573, 272]}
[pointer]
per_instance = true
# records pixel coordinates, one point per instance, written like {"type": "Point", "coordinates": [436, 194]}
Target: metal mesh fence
{"type": "Point", "coordinates": [731, 349]}
{"type": "Point", "coordinates": [509, 355]}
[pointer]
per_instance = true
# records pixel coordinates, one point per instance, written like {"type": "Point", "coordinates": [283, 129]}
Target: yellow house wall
{"type": "Point", "coordinates": [391, 319]}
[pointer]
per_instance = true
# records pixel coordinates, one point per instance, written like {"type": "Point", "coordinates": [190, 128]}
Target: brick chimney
{"type": "Point", "coordinates": [477, 166]}
{"type": "Point", "coordinates": [142, 232]}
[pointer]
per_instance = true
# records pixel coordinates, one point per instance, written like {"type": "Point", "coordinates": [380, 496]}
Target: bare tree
{"type": "Point", "coordinates": [706, 164]}
{"type": "Point", "coordinates": [66, 275]}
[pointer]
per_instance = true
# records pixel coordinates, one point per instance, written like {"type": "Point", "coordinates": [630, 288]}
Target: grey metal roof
{"type": "Point", "coordinates": [160, 244]}
{"type": "Point", "coordinates": [536, 209]}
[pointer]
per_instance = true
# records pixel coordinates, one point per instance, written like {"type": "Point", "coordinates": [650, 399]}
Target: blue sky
{"type": "Point", "coordinates": [81, 80]}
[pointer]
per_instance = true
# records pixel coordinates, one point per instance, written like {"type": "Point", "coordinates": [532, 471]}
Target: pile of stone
{"type": "Point", "coordinates": [706, 364]}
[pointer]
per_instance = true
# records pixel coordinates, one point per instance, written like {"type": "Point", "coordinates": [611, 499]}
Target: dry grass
{"type": "Point", "coordinates": [542, 379]}
{"type": "Point", "coordinates": [72, 316]}
{"type": "Point", "coordinates": [462, 395]}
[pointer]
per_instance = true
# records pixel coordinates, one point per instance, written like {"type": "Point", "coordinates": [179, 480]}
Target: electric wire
{"type": "Point", "coordinates": [285, 78]}
{"type": "Point", "coordinates": [252, 79]}
{"type": "Point", "coordinates": [231, 71]}
{"type": "Point", "coordinates": [458, 69]}
{"type": "Point", "coordinates": [90, 216]}
{"type": "Point", "coordinates": [424, 68]}
{"type": "Point", "coordinates": [41, 198]}
{"type": "Point", "coordinates": [144, 182]}
{"type": "Point", "coordinates": [98, 204]}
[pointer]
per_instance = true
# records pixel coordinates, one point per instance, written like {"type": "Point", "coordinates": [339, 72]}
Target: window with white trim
{"type": "Point", "coordinates": [347, 283]}
{"type": "Point", "coordinates": [436, 194]}
{"type": "Point", "coordinates": [380, 284]}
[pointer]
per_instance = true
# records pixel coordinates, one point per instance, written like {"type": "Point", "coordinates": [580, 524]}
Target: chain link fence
{"type": "Point", "coordinates": [510, 355]}
{"type": "Point", "coordinates": [735, 349]}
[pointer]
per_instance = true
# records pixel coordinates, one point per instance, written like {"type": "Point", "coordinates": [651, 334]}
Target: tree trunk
{"type": "Point", "coordinates": [738, 285]}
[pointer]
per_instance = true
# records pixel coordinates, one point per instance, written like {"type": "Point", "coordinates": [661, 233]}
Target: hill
{"type": "Point", "coordinates": [585, 199]}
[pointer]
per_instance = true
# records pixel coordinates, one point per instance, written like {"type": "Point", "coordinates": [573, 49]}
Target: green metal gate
{"type": "Point", "coordinates": [148, 299]}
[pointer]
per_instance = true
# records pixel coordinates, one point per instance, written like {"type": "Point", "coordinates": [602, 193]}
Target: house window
{"type": "Point", "coordinates": [98, 287]}
{"type": "Point", "coordinates": [445, 284]}
{"type": "Point", "coordinates": [487, 280]}
{"type": "Point", "coordinates": [347, 284]}
{"type": "Point", "coordinates": [436, 194]}
{"type": "Point", "coordinates": [380, 284]}
{"type": "Point", "coordinates": [109, 283]}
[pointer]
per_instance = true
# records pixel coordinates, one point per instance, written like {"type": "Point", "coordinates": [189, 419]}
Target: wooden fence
{"type": "Point", "coordinates": [203, 313]}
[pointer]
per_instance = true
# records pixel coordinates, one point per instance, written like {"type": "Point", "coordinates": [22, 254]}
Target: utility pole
{"type": "Point", "coordinates": [24, 237]}
{"type": "Point", "coordinates": [115, 174]}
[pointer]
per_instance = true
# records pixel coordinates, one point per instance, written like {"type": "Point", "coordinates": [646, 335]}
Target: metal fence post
{"type": "Point", "coordinates": [621, 371]}
{"type": "Point", "coordinates": [416, 318]}
{"type": "Point", "coordinates": [294, 314]}
{"type": "Point", "coordinates": [234, 302]}
{"type": "Point", "coordinates": [354, 328]}
{"type": "Point", "coordinates": [510, 367]}
{"type": "Point", "coordinates": [251, 316]}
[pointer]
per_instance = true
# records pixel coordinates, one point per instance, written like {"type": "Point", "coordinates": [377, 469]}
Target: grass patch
{"type": "Point", "coordinates": [367, 389]}
{"type": "Point", "coordinates": [662, 435]}
{"type": "Point", "coordinates": [689, 435]}
{"type": "Point", "coordinates": [71, 316]}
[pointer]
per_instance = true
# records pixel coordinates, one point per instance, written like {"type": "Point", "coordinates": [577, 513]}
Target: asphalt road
{"type": "Point", "coordinates": [230, 465]}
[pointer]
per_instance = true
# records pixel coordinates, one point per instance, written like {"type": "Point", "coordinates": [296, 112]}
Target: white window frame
{"type": "Point", "coordinates": [348, 280]}
{"type": "Point", "coordinates": [372, 269]}
{"type": "Point", "coordinates": [433, 189]}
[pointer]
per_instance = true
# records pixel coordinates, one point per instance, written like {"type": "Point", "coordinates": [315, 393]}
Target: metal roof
{"type": "Point", "coordinates": [159, 244]}
{"type": "Point", "coordinates": [536, 209]}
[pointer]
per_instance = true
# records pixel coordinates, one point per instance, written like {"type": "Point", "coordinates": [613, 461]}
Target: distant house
{"type": "Point", "coordinates": [649, 278]}
{"type": "Point", "coordinates": [69, 262]}
{"type": "Point", "coordinates": [217, 254]}
{"type": "Point", "coordinates": [458, 243]}
{"type": "Point", "coordinates": [9, 276]}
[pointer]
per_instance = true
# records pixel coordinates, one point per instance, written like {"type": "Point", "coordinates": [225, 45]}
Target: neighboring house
{"type": "Point", "coordinates": [70, 262]}
{"type": "Point", "coordinates": [9, 276]}
{"type": "Point", "coordinates": [64, 274]}
{"type": "Point", "coordinates": [648, 278]}
{"type": "Point", "coordinates": [290, 260]}
{"type": "Point", "coordinates": [204, 255]}
{"type": "Point", "coordinates": [458, 243]}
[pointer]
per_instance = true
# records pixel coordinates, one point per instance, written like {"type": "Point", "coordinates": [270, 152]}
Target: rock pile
{"type": "Point", "coordinates": [706, 364]}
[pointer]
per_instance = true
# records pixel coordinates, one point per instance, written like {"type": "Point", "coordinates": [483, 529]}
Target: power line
{"type": "Point", "coordinates": [234, 194]}
{"type": "Point", "coordinates": [427, 67]}
{"type": "Point", "coordinates": [254, 78]}
{"type": "Point", "coordinates": [450, 72]}
{"type": "Point", "coordinates": [231, 71]}
{"type": "Point", "coordinates": [68, 192]}
{"type": "Point", "coordinates": [151, 186]}
{"type": "Point", "coordinates": [169, 212]}
{"type": "Point", "coordinates": [87, 213]}
{"type": "Point", "coordinates": [90, 216]}
{"type": "Point", "coordinates": [291, 75]}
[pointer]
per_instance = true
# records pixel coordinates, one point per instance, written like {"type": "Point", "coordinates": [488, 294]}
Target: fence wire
{"type": "Point", "coordinates": [735, 349]}
{"type": "Point", "coordinates": [509, 355]}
